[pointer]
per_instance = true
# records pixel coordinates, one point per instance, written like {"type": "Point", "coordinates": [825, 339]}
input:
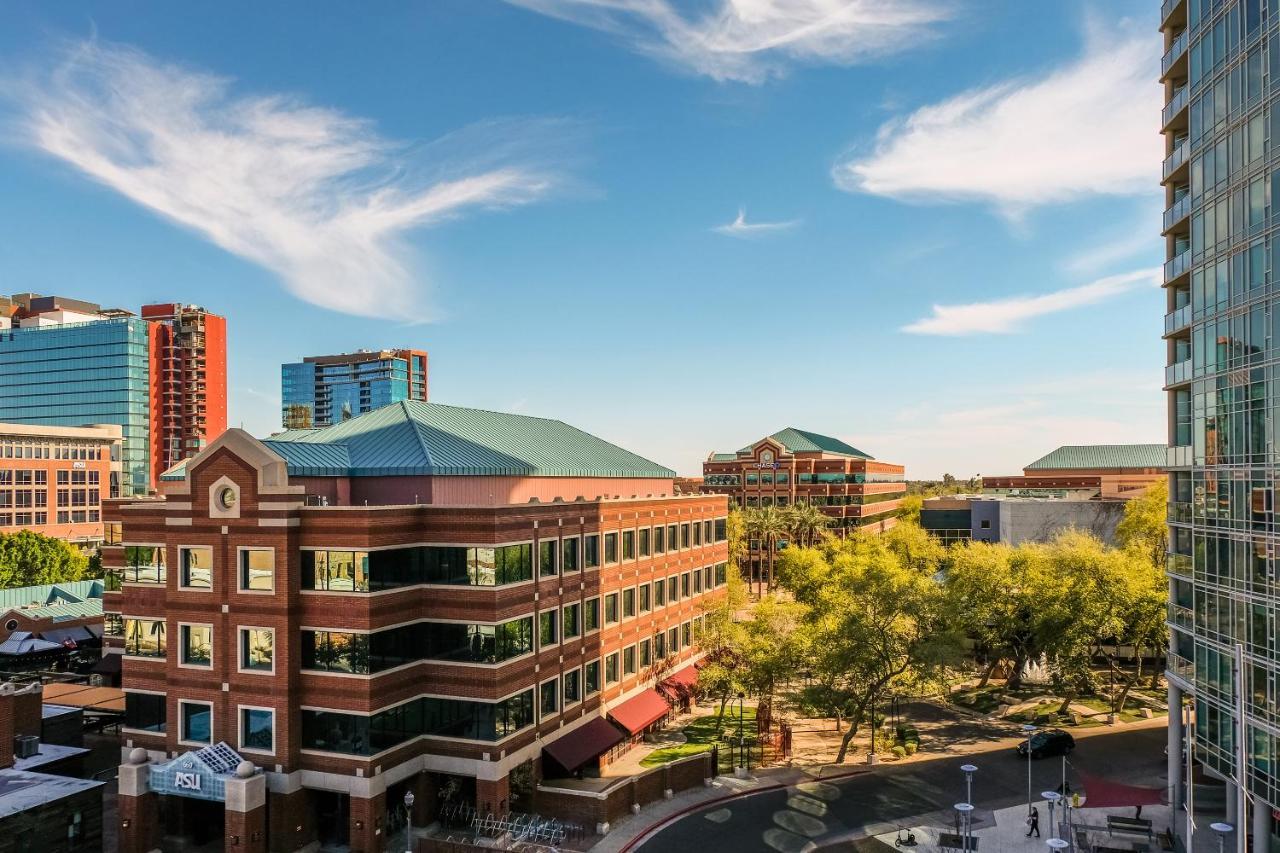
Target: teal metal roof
{"type": "Point", "coordinates": [803, 441]}
{"type": "Point", "coordinates": [413, 438]}
{"type": "Point", "coordinates": [723, 457]}
{"type": "Point", "coordinates": [70, 600]}
{"type": "Point", "coordinates": [1103, 456]}
{"type": "Point", "coordinates": [176, 473]}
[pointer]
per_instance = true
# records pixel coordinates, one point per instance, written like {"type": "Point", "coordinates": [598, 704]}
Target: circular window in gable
{"type": "Point", "coordinates": [11, 625]}
{"type": "Point", "coordinates": [226, 498]}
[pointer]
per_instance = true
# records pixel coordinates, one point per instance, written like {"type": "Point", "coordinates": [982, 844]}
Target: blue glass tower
{"type": "Point", "coordinates": [83, 373]}
{"type": "Point", "coordinates": [324, 390]}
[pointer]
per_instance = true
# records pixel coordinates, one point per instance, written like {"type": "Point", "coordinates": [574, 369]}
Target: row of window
{"type": "Point", "coordinates": [148, 638]}
{"type": "Point", "coordinates": [356, 734]}
{"type": "Point", "coordinates": [148, 712]}
{"type": "Point", "coordinates": [19, 449]}
{"type": "Point", "coordinates": [350, 652]}
{"type": "Point", "coordinates": [146, 564]}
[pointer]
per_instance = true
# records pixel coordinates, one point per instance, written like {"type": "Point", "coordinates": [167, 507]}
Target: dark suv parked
{"type": "Point", "coordinates": [1048, 742]}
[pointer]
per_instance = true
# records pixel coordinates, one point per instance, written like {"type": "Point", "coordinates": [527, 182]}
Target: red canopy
{"type": "Point", "coordinates": [1103, 793]}
{"type": "Point", "coordinates": [686, 677]}
{"type": "Point", "coordinates": [640, 711]}
{"type": "Point", "coordinates": [584, 743]}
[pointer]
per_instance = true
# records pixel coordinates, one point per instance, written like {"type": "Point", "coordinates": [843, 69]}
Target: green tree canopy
{"type": "Point", "coordinates": [28, 558]}
{"type": "Point", "coordinates": [1145, 523]}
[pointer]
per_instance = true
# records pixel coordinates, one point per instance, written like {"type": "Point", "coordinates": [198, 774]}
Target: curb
{"type": "Point", "coordinates": [649, 830]}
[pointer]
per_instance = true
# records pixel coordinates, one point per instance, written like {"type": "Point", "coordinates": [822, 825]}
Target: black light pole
{"type": "Point", "coordinates": [741, 745]}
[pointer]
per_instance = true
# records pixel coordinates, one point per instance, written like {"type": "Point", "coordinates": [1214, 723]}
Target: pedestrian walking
{"type": "Point", "coordinates": [1033, 823]}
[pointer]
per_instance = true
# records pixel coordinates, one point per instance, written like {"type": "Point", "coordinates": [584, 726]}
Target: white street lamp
{"type": "Point", "coordinates": [966, 818]}
{"type": "Point", "coordinates": [1052, 797]}
{"type": "Point", "coordinates": [969, 770]}
{"type": "Point", "coordinates": [408, 807]}
{"type": "Point", "coordinates": [1028, 730]}
{"type": "Point", "coordinates": [1223, 830]}
{"type": "Point", "coordinates": [1057, 845]}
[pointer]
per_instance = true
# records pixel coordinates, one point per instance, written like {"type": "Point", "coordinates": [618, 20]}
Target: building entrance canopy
{"type": "Point", "coordinates": [201, 774]}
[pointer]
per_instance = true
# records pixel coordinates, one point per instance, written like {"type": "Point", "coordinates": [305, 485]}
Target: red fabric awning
{"type": "Point", "coordinates": [640, 711]}
{"type": "Point", "coordinates": [686, 677]}
{"type": "Point", "coordinates": [1103, 793]}
{"type": "Point", "coordinates": [584, 743]}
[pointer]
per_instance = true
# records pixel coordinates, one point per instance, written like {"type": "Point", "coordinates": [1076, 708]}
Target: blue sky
{"type": "Point", "coordinates": [927, 227]}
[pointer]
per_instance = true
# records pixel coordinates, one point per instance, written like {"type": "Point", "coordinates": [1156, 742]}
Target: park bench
{"type": "Point", "coordinates": [1132, 825]}
{"type": "Point", "coordinates": [951, 841]}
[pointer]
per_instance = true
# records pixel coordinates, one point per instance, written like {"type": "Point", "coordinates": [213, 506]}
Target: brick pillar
{"type": "Point", "coordinates": [493, 796]}
{"type": "Point", "coordinates": [28, 710]}
{"type": "Point", "coordinates": [425, 799]}
{"type": "Point", "coordinates": [245, 813]}
{"type": "Point", "coordinates": [368, 819]}
{"type": "Point", "coordinates": [290, 825]}
{"type": "Point", "coordinates": [138, 807]}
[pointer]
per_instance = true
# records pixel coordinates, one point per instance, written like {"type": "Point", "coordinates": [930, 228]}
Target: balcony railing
{"type": "Point", "coordinates": [1176, 321]}
{"type": "Point", "coordinates": [1178, 372]}
{"type": "Point", "coordinates": [1176, 158]}
{"type": "Point", "coordinates": [1177, 211]}
{"type": "Point", "coordinates": [1181, 617]}
{"type": "Point", "coordinates": [1180, 512]}
{"type": "Point", "coordinates": [1182, 667]}
{"type": "Point", "coordinates": [1174, 53]}
{"type": "Point", "coordinates": [1177, 265]}
{"type": "Point", "coordinates": [1176, 105]}
{"type": "Point", "coordinates": [1167, 8]}
{"type": "Point", "coordinates": [1180, 564]}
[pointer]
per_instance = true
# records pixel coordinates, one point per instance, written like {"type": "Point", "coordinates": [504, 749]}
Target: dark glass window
{"type": "Point", "coordinates": [547, 634]}
{"type": "Point", "coordinates": [645, 598]}
{"type": "Point", "coordinates": [572, 686]}
{"type": "Point", "coordinates": [548, 697]}
{"type": "Point", "coordinates": [571, 620]}
{"type": "Point", "coordinates": [460, 718]}
{"type": "Point", "coordinates": [547, 557]}
{"type": "Point", "coordinates": [672, 540]}
{"type": "Point", "coordinates": [145, 711]}
{"type": "Point", "coordinates": [197, 567]}
{"type": "Point", "coordinates": [645, 539]}
{"type": "Point", "coordinates": [659, 540]}
{"type": "Point", "coordinates": [628, 544]}
{"type": "Point", "coordinates": [610, 548]}
{"type": "Point", "coordinates": [570, 559]}
{"type": "Point", "coordinates": [591, 678]}
{"type": "Point", "coordinates": [591, 551]}
{"type": "Point", "coordinates": [196, 722]}
{"type": "Point", "coordinates": [628, 603]}
{"type": "Point", "coordinates": [143, 564]}
{"type": "Point", "coordinates": [592, 618]}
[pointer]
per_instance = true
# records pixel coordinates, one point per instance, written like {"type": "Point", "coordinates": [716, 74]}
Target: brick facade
{"type": "Point", "coordinates": [272, 511]}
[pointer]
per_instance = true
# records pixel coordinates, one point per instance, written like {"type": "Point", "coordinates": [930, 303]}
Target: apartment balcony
{"type": "Point", "coordinates": [1176, 162]}
{"type": "Point", "coordinates": [1182, 667]}
{"type": "Point", "coordinates": [1179, 512]}
{"type": "Point", "coordinates": [1176, 107]}
{"type": "Point", "coordinates": [1177, 321]}
{"type": "Point", "coordinates": [1177, 266]}
{"type": "Point", "coordinates": [1178, 456]}
{"type": "Point", "coordinates": [1173, 13]}
{"type": "Point", "coordinates": [1176, 52]}
{"type": "Point", "coordinates": [1180, 564]}
{"type": "Point", "coordinates": [1178, 373]}
{"type": "Point", "coordinates": [1181, 617]}
{"type": "Point", "coordinates": [1177, 213]}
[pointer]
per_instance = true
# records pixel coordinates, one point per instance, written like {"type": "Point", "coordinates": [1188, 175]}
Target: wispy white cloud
{"type": "Point", "coordinates": [315, 196]}
{"type": "Point", "coordinates": [743, 229]}
{"type": "Point", "coordinates": [752, 40]}
{"type": "Point", "coordinates": [1084, 129]}
{"type": "Point", "coordinates": [1003, 316]}
{"type": "Point", "coordinates": [1120, 244]}
{"type": "Point", "coordinates": [1116, 406]}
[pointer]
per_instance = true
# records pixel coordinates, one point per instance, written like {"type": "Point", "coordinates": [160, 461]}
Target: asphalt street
{"type": "Point", "coordinates": [828, 813]}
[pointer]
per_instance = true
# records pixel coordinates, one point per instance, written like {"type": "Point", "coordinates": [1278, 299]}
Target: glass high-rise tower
{"type": "Point", "coordinates": [323, 390]}
{"type": "Point", "coordinates": [1221, 76]}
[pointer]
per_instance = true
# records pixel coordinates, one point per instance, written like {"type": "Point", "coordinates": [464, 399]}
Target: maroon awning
{"type": "Point", "coordinates": [640, 711]}
{"type": "Point", "coordinates": [685, 678]}
{"type": "Point", "coordinates": [1105, 794]}
{"type": "Point", "coordinates": [584, 743]}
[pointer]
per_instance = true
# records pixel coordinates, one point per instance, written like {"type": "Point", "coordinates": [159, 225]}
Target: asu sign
{"type": "Point", "coordinates": [201, 774]}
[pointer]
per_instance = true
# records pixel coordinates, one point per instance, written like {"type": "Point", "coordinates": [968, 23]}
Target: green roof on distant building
{"type": "Point", "coordinates": [59, 601]}
{"type": "Point", "coordinates": [801, 441]}
{"type": "Point", "coordinates": [1102, 456]}
{"type": "Point", "coordinates": [415, 438]}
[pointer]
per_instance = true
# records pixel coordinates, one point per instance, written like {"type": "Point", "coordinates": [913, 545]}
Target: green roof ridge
{"type": "Point", "coordinates": [1102, 456]}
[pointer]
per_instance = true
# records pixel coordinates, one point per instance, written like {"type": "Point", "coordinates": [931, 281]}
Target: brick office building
{"type": "Point", "coordinates": [423, 598]}
{"type": "Point", "coordinates": [54, 480]}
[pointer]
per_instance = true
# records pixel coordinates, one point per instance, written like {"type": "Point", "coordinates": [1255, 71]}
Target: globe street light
{"type": "Point", "coordinates": [969, 770]}
{"type": "Point", "coordinates": [966, 817]}
{"type": "Point", "coordinates": [408, 808]}
{"type": "Point", "coordinates": [1223, 829]}
{"type": "Point", "coordinates": [1028, 729]}
{"type": "Point", "coordinates": [1052, 797]}
{"type": "Point", "coordinates": [1057, 845]}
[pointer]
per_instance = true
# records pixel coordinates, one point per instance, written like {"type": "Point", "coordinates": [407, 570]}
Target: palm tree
{"type": "Point", "coordinates": [806, 522]}
{"type": "Point", "coordinates": [751, 528]}
{"type": "Point", "coordinates": [772, 526]}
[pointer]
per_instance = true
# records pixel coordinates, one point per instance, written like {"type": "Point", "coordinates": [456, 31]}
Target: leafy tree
{"type": "Point", "coordinates": [869, 622]}
{"type": "Point", "coordinates": [916, 548]}
{"type": "Point", "coordinates": [1145, 526]}
{"type": "Point", "coordinates": [909, 509]}
{"type": "Point", "coordinates": [28, 558]}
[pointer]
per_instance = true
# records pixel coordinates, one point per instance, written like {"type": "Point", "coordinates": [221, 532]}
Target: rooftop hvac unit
{"type": "Point", "coordinates": [26, 746]}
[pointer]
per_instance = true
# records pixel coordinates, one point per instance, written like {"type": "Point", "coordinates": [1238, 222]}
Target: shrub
{"type": "Point", "coordinates": [910, 747]}
{"type": "Point", "coordinates": [899, 752]}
